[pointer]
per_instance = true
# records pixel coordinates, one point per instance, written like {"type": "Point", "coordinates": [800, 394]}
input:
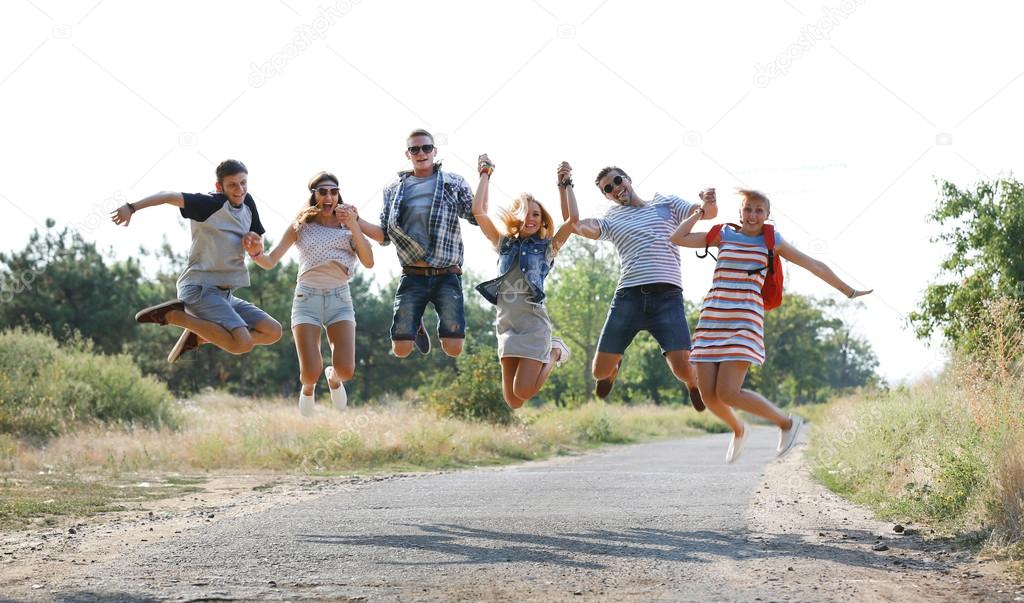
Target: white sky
{"type": "Point", "coordinates": [119, 99]}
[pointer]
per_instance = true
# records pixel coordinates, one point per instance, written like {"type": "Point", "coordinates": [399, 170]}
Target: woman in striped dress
{"type": "Point", "coordinates": [730, 333]}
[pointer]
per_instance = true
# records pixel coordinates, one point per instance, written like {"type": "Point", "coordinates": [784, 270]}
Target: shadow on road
{"type": "Point", "coordinates": [455, 544]}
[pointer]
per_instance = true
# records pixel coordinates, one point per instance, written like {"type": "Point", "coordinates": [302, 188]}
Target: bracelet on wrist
{"type": "Point", "coordinates": [565, 183]}
{"type": "Point", "coordinates": [131, 207]}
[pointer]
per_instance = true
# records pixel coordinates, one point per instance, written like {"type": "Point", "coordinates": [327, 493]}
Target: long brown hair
{"type": "Point", "coordinates": [515, 216]}
{"type": "Point", "coordinates": [312, 209]}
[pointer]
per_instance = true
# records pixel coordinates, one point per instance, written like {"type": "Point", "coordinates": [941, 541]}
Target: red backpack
{"type": "Point", "coordinates": [771, 291]}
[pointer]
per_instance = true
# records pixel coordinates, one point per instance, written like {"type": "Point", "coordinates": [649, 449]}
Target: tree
{"type": "Point", "coordinates": [984, 228]}
{"type": "Point", "coordinates": [60, 283]}
{"type": "Point", "coordinates": [579, 293]}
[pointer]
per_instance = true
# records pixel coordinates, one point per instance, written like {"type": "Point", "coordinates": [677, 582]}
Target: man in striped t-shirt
{"type": "Point", "coordinates": [649, 296]}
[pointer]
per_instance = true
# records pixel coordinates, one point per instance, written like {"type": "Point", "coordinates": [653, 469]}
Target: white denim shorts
{"type": "Point", "coordinates": [322, 307]}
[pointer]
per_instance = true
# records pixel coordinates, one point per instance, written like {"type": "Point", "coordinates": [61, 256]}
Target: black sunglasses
{"type": "Point", "coordinates": [427, 148]}
{"type": "Point", "coordinates": [610, 187]}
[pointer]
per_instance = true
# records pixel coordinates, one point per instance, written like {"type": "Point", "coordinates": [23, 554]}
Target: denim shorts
{"type": "Point", "coordinates": [220, 307]}
{"type": "Point", "coordinates": [411, 299]}
{"type": "Point", "coordinates": [655, 308]}
{"type": "Point", "coordinates": [322, 307]}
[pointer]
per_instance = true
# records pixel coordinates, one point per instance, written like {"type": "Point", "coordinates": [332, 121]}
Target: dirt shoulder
{"type": "Point", "coordinates": [865, 557]}
{"type": "Point", "coordinates": [32, 560]}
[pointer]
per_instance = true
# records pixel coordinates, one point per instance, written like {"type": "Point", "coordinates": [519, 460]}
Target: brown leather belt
{"type": "Point", "coordinates": [430, 270]}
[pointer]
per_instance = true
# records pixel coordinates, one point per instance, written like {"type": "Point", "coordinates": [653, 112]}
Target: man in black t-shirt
{"type": "Point", "coordinates": [225, 225]}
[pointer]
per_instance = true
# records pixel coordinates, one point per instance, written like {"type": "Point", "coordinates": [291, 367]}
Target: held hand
{"type": "Point", "coordinates": [564, 170]}
{"type": "Point", "coordinates": [121, 215]}
{"type": "Point", "coordinates": [484, 165]}
{"type": "Point", "coordinates": [708, 196]}
{"type": "Point", "coordinates": [347, 215]}
{"type": "Point", "coordinates": [252, 243]}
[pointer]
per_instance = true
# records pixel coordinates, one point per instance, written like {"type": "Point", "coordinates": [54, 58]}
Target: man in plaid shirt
{"type": "Point", "coordinates": [420, 215]}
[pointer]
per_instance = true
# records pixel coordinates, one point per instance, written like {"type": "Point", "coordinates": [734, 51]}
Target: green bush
{"type": "Point", "coordinates": [473, 392]}
{"type": "Point", "coordinates": [46, 388]}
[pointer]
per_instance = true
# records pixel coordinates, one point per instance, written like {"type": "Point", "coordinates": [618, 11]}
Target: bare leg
{"type": "Point", "coordinates": [342, 337]}
{"type": "Point", "coordinates": [531, 374]}
{"type": "Point", "coordinates": [266, 332]}
{"type": "Point", "coordinates": [707, 377]}
{"type": "Point", "coordinates": [728, 388]}
{"type": "Point", "coordinates": [606, 366]}
{"type": "Point", "coordinates": [452, 346]}
{"type": "Point", "coordinates": [508, 376]}
{"type": "Point", "coordinates": [401, 349]}
{"type": "Point", "coordinates": [237, 341]}
{"type": "Point", "coordinates": [679, 362]}
{"type": "Point", "coordinates": [307, 345]}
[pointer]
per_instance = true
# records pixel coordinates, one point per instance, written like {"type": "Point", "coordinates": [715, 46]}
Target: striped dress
{"type": "Point", "coordinates": [731, 325]}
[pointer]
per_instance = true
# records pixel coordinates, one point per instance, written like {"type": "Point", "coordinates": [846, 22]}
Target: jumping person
{"type": "Point", "coordinates": [327, 235]}
{"type": "Point", "coordinates": [730, 333]}
{"type": "Point", "coordinates": [420, 215]}
{"type": "Point", "coordinates": [649, 295]}
{"type": "Point", "coordinates": [526, 247]}
{"type": "Point", "coordinates": [206, 306]}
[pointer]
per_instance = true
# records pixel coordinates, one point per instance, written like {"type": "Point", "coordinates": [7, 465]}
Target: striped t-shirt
{"type": "Point", "coordinates": [641, 238]}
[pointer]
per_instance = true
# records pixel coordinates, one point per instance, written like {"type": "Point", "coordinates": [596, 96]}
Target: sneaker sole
{"type": "Point", "coordinates": [181, 346]}
{"type": "Point", "coordinates": [158, 314]}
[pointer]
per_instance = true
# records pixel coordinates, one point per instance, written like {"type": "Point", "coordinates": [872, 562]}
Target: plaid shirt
{"type": "Point", "coordinates": [453, 199]}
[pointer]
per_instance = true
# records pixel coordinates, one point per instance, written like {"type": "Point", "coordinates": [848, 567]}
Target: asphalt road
{"type": "Point", "coordinates": [662, 521]}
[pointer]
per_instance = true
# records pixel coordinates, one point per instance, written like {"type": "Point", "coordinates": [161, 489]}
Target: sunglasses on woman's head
{"type": "Point", "coordinates": [610, 187]}
{"type": "Point", "coordinates": [323, 191]}
{"type": "Point", "coordinates": [427, 148]}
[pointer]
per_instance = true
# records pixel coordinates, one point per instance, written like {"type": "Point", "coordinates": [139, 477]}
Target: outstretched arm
{"type": "Point", "coordinates": [683, 237]}
{"type": "Point", "coordinates": [710, 206]}
{"type": "Point", "coordinates": [123, 214]}
{"type": "Point", "coordinates": [589, 228]}
{"type": "Point", "coordinates": [254, 247]}
{"type": "Point", "coordinates": [567, 194]}
{"type": "Point", "coordinates": [485, 167]}
{"type": "Point", "coordinates": [349, 216]}
{"type": "Point", "coordinates": [818, 269]}
{"type": "Point", "coordinates": [373, 231]}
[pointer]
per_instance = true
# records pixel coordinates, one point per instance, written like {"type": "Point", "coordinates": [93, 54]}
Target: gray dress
{"type": "Point", "coordinates": [524, 329]}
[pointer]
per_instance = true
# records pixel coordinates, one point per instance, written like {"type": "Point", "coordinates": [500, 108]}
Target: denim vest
{"type": "Point", "coordinates": [531, 254]}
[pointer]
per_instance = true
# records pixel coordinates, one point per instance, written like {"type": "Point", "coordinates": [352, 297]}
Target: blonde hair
{"type": "Point", "coordinates": [752, 195]}
{"type": "Point", "coordinates": [515, 216]}
{"type": "Point", "coordinates": [312, 209]}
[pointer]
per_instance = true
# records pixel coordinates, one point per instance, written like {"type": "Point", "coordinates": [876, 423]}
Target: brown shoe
{"type": "Point", "coordinates": [604, 386]}
{"type": "Point", "coordinates": [186, 343]}
{"type": "Point", "coordinates": [158, 314]}
{"type": "Point", "coordinates": [695, 400]}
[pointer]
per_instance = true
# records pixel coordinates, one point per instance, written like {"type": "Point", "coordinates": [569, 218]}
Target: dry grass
{"type": "Point", "coordinates": [222, 432]}
{"type": "Point", "coordinates": [949, 451]}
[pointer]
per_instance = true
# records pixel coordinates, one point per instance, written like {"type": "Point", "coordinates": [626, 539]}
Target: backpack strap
{"type": "Point", "coordinates": [769, 242]}
{"type": "Point", "coordinates": [712, 236]}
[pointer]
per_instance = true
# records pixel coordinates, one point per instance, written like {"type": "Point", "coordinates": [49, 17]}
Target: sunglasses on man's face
{"type": "Point", "coordinates": [323, 191]}
{"type": "Point", "coordinates": [608, 188]}
{"type": "Point", "coordinates": [427, 148]}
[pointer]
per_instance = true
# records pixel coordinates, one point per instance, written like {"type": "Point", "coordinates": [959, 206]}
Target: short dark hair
{"type": "Point", "coordinates": [230, 167]}
{"type": "Point", "coordinates": [607, 170]}
{"type": "Point", "coordinates": [420, 132]}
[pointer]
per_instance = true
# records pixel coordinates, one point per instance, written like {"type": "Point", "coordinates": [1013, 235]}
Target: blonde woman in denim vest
{"type": "Point", "coordinates": [526, 248]}
{"type": "Point", "coordinates": [329, 241]}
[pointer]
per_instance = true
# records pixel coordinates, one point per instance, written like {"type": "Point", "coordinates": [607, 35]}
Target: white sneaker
{"type": "Point", "coordinates": [565, 354]}
{"type": "Point", "coordinates": [338, 396]}
{"type": "Point", "coordinates": [306, 403]}
{"type": "Point", "coordinates": [787, 437]}
{"type": "Point", "coordinates": [735, 446]}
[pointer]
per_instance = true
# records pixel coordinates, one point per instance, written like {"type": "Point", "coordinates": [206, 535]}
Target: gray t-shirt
{"type": "Point", "coordinates": [414, 214]}
{"type": "Point", "coordinates": [217, 257]}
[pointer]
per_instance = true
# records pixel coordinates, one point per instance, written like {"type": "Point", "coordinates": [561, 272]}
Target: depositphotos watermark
{"type": "Point", "coordinates": [305, 36]}
{"type": "Point", "coordinates": [810, 35]}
